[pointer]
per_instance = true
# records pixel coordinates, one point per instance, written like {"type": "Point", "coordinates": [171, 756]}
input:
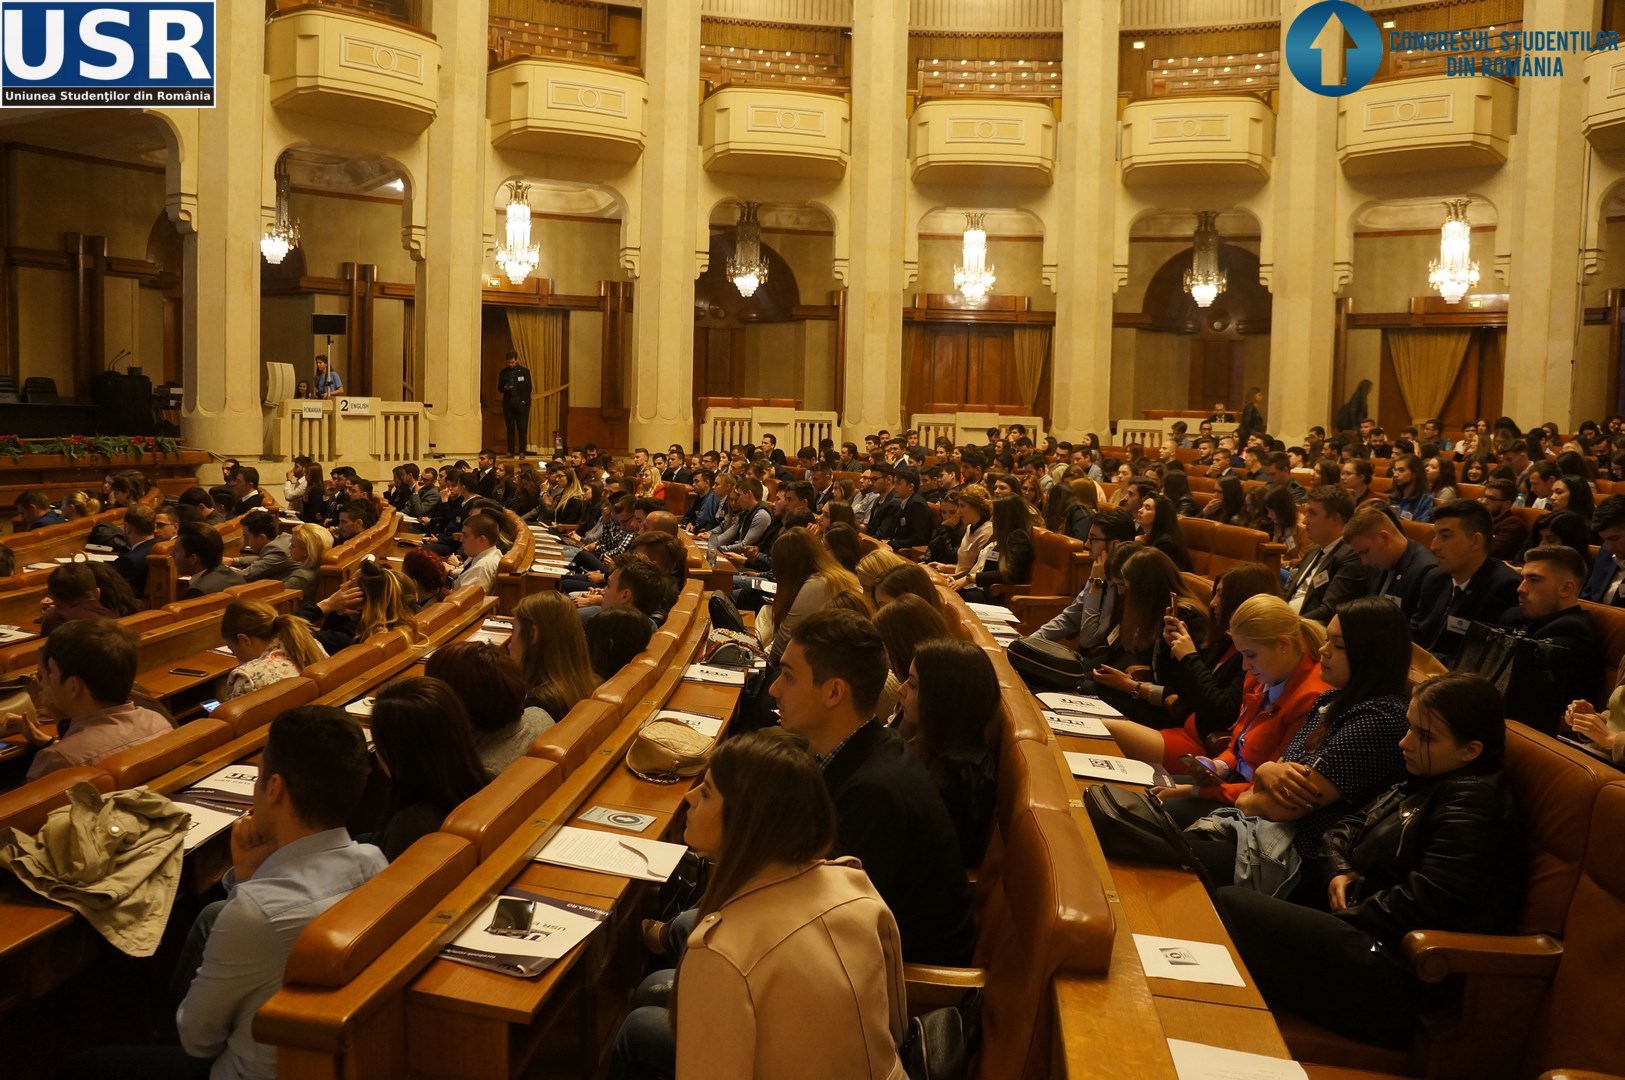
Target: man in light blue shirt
{"type": "Point", "coordinates": [1088, 617]}
{"type": "Point", "coordinates": [292, 859]}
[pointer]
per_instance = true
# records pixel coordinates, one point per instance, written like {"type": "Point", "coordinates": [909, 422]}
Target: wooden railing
{"type": "Point", "coordinates": [969, 427]}
{"type": "Point", "coordinates": [725, 427]}
{"type": "Point", "coordinates": [370, 429]}
{"type": "Point", "coordinates": [408, 12]}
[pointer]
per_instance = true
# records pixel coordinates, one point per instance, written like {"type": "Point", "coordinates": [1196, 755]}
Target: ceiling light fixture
{"type": "Point", "coordinates": [515, 254]}
{"type": "Point", "coordinates": [974, 279]}
{"type": "Point", "coordinates": [1204, 280]}
{"type": "Point", "coordinates": [283, 235]}
{"type": "Point", "coordinates": [747, 267]}
{"type": "Point", "coordinates": [1454, 272]}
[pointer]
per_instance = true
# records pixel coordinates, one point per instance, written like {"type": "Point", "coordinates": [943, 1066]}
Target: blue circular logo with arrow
{"type": "Point", "coordinates": [1333, 48]}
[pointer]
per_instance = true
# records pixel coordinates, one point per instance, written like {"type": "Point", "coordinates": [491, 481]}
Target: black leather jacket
{"type": "Point", "coordinates": [1441, 853]}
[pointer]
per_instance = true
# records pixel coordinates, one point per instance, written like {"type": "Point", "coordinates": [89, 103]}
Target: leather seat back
{"type": "Point", "coordinates": [571, 741]}
{"type": "Point", "coordinates": [1058, 922]}
{"type": "Point", "coordinates": [1610, 623]}
{"type": "Point", "coordinates": [339, 943]}
{"type": "Point", "coordinates": [25, 808]}
{"type": "Point", "coordinates": [434, 618]}
{"type": "Point", "coordinates": [1577, 1027]}
{"type": "Point", "coordinates": [255, 709]}
{"type": "Point", "coordinates": [142, 762]}
{"type": "Point", "coordinates": [199, 605]}
{"type": "Point", "coordinates": [341, 667]}
{"type": "Point", "coordinates": [263, 589]}
{"type": "Point", "coordinates": [1053, 555]}
{"type": "Point", "coordinates": [1556, 790]}
{"type": "Point", "coordinates": [677, 497]}
{"type": "Point", "coordinates": [467, 597]}
{"type": "Point", "coordinates": [490, 816]}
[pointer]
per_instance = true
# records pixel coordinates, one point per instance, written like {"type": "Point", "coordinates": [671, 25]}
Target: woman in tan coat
{"type": "Point", "coordinates": [794, 968]}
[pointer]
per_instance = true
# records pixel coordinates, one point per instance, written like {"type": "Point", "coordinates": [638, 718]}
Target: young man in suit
{"type": "Point", "coordinates": [1508, 530]}
{"type": "Point", "coordinates": [140, 525]}
{"type": "Point", "coordinates": [1607, 582]}
{"type": "Point", "coordinates": [1549, 611]}
{"type": "Point", "coordinates": [245, 488]}
{"type": "Point", "coordinates": [1330, 574]}
{"type": "Point", "coordinates": [267, 550]}
{"type": "Point", "coordinates": [913, 522]}
{"type": "Point", "coordinates": [514, 384]}
{"type": "Point", "coordinates": [36, 511]}
{"type": "Point", "coordinates": [198, 552]}
{"type": "Point", "coordinates": [1398, 567]}
{"type": "Point", "coordinates": [888, 811]}
{"type": "Point", "coordinates": [1483, 589]}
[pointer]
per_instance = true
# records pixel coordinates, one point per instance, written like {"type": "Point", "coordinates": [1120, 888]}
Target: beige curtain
{"type": "Point", "coordinates": [912, 334]}
{"type": "Point", "coordinates": [1426, 363]}
{"type": "Point", "coordinates": [1032, 353]}
{"type": "Point", "coordinates": [538, 337]}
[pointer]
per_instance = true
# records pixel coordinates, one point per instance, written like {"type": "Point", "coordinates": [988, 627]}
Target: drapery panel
{"type": "Point", "coordinates": [1426, 363]}
{"type": "Point", "coordinates": [539, 339]}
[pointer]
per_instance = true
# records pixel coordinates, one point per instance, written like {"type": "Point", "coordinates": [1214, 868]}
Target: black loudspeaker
{"type": "Point", "coordinates": [123, 404]}
{"type": "Point", "coordinates": [327, 325]}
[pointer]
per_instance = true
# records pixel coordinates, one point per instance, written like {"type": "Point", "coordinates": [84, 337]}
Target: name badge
{"type": "Point", "coordinates": [1319, 580]}
{"type": "Point", "coordinates": [1395, 598]}
{"type": "Point", "coordinates": [1456, 624]}
{"type": "Point", "coordinates": [1405, 515]}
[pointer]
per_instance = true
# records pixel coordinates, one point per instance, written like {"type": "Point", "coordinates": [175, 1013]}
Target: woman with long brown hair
{"type": "Point", "coordinates": [550, 648]}
{"type": "Point", "coordinates": [905, 624]}
{"type": "Point", "coordinates": [1133, 671]}
{"type": "Point", "coordinates": [807, 575]}
{"type": "Point", "coordinates": [795, 966]}
{"type": "Point", "coordinates": [1013, 522]}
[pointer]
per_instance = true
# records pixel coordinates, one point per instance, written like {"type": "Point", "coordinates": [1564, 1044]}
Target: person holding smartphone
{"type": "Point", "coordinates": [1133, 672]}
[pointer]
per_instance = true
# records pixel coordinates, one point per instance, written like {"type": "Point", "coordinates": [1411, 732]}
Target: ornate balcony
{"type": "Point", "coordinates": [1604, 123]}
{"type": "Point", "coordinates": [556, 107]}
{"type": "Point", "coordinates": [351, 69]}
{"type": "Point", "coordinates": [1211, 140]}
{"type": "Point", "coordinates": [976, 141]}
{"type": "Point", "coordinates": [1426, 124]}
{"type": "Point", "coordinates": [772, 132]}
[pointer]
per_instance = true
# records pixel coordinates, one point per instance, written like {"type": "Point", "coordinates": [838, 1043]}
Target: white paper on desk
{"type": "Point", "coordinates": [708, 674]}
{"type": "Point", "coordinates": [523, 933]}
{"type": "Point", "coordinates": [495, 637]}
{"type": "Point", "coordinates": [1077, 705]}
{"type": "Point", "coordinates": [1198, 1061]}
{"type": "Point", "coordinates": [360, 707]}
{"type": "Point", "coordinates": [9, 634]}
{"type": "Point", "coordinates": [709, 726]}
{"type": "Point", "coordinates": [1104, 767]}
{"type": "Point", "coordinates": [94, 557]}
{"type": "Point", "coordinates": [498, 622]}
{"type": "Point", "coordinates": [625, 856]}
{"type": "Point", "coordinates": [233, 784]}
{"type": "Point", "coordinates": [993, 613]}
{"type": "Point", "coordinates": [547, 571]}
{"type": "Point", "coordinates": [1187, 961]}
{"type": "Point", "coordinates": [208, 819]}
{"type": "Point", "coordinates": [1089, 726]}
{"type": "Point", "coordinates": [224, 650]}
{"type": "Point", "coordinates": [40, 566]}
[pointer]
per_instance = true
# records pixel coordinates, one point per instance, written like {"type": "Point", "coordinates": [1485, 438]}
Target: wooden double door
{"type": "Point", "coordinates": [963, 369]}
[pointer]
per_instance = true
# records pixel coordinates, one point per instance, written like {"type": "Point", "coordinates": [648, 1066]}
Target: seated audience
{"type": "Point", "coordinates": [806, 576]}
{"type": "Point", "coordinates": [492, 689]}
{"type": "Point", "coordinates": [425, 745]}
{"type": "Point", "coordinates": [426, 575]}
{"type": "Point", "coordinates": [551, 650]}
{"type": "Point", "coordinates": [950, 701]}
{"type": "Point", "coordinates": [1438, 851]}
{"type": "Point", "coordinates": [1606, 585]}
{"type": "Point", "coordinates": [1008, 557]}
{"type": "Point", "coordinates": [1131, 666]}
{"type": "Point", "coordinates": [267, 550]}
{"type": "Point", "coordinates": [1410, 496]}
{"type": "Point", "coordinates": [1280, 654]}
{"type": "Point", "coordinates": [1397, 567]}
{"type": "Point", "coordinates": [306, 545]}
{"type": "Point", "coordinates": [1345, 754]}
{"type": "Point", "coordinates": [35, 511]}
{"type": "Point", "coordinates": [1484, 589]}
{"type": "Point", "coordinates": [70, 594]}
{"type": "Point", "coordinates": [1159, 528]}
{"type": "Point", "coordinates": [1282, 520]}
{"type": "Point", "coordinates": [1510, 530]}
{"type": "Point", "coordinates": [889, 814]}
{"type": "Point", "coordinates": [905, 624]}
{"type": "Point", "coordinates": [1092, 607]}
{"type": "Point", "coordinates": [481, 554]}
{"type": "Point", "coordinates": [1549, 612]}
{"type": "Point", "coordinates": [794, 966]}
{"type": "Point", "coordinates": [138, 530]}
{"type": "Point", "coordinates": [1330, 573]}
{"type": "Point", "coordinates": [86, 673]}
{"type": "Point", "coordinates": [906, 579]}
{"type": "Point", "coordinates": [383, 601]}
{"type": "Point", "coordinates": [615, 637]}
{"type": "Point", "coordinates": [198, 552]}
{"type": "Point", "coordinates": [1560, 528]}
{"type": "Point", "coordinates": [269, 647]}
{"type": "Point", "coordinates": [843, 544]}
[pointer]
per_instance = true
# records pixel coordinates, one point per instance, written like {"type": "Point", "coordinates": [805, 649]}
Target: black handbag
{"type": "Point", "coordinates": [941, 1043]}
{"type": "Point", "coordinates": [1537, 679]}
{"type": "Point", "coordinates": [1134, 826]}
{"type": "Point", "coordinates": [1046, 665]}
{"type": "Point", "coordinates": [724, 615]}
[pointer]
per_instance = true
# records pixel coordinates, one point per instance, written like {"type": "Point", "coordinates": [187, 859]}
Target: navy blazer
{"type": "Point", "coordinates": [1490, 595]}
{"type": "Point", "coordinates": [1422, 588]}
{"type": "Point", "coordinates": [131, 565]}
{"type": "Point", "coordinates": [1602, 574]}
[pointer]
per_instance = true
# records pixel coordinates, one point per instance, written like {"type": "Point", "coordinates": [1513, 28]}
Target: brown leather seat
{"type": "Point", "coordinates": [255, 709]}
{"type": "Point", "coordinates": [1420, 531]}
{"type": "Point", "coordinates": [1216, 547]}
{"type": "Point", "coordinates": [199, 605]}
{"type": "Point", "coordinates": [145, 621]}
{"type": "Point", "coordinates": [263, 589]}
{"type": "Point", "coordinates": [143, 761]}
{"type": "Point", "coordinates": [26, 808]}
{"type": "Point", "coordinates": [1200, 587]}
{"type": "Point", "coordinates": [663, 646]}
{"type": "Point", "coordinates": [1610, 622]}
{"type": "Point", "coordinates": [677, 497]}
{"type": "Point", "coordinates": [469, 596]}
{"type": "Point", "coordinates": [571, 741]}
{"type": "Point", "coordinates": [436, 617]}
{"type": "Point", "coordinates": [341, 667]}
{"type": "Point", "coordinates": [490, 816]}
{"type": "Point", "coordinates": [344, 939]}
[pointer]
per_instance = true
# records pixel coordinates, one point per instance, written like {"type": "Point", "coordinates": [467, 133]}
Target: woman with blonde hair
{"type": "Point", "coordinates": [383, 602]}
{"type": "Point", "coordinates": [550, 648]}
{"type": "Point", "coordinates": [807, 576]}
{"type": "Point", "coordinates": [76, 504]}
{"type": "Point", "coordinates": [872, 565]}
{"type": "Point", "coordinates": [1280, 654]}
{"type": "Point", "coordinates": [269, 647]}
{"type": "Point", "coordinates": [309, 543]}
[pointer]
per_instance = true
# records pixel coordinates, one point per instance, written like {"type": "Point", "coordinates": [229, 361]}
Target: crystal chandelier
{"type": "Point", "coordinates": [1453, 273]}
{"type": "Point", "coordinates": [747, 268]}
{"type": "Point", "coordinates": [975, 279]}
{"type": "Point", "coordinates": [1204, 280]}
{"type": "Point", "coordinates": [283, 235]}
{"type": "Point", "coordinates": [516, 255]}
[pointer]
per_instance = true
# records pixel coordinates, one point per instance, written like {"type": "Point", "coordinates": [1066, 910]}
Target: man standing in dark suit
{"type": "Point", "coordinates": [514, 384]}
{"type": "Point", "coordinates": [1397, 567]}
{"type": "Point", "coordinates": [888, 812]}
{"type": "Point", "coordinates": [1483, 589]}
{"type": "Point", "coordinates": [913, 524]}
{"type": "Point", "coordinates": [131, 564]}
{"type": "Point", "coordinates": [1607, 582]}
{"type": "Point", "coordinates": [1330, 574]}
